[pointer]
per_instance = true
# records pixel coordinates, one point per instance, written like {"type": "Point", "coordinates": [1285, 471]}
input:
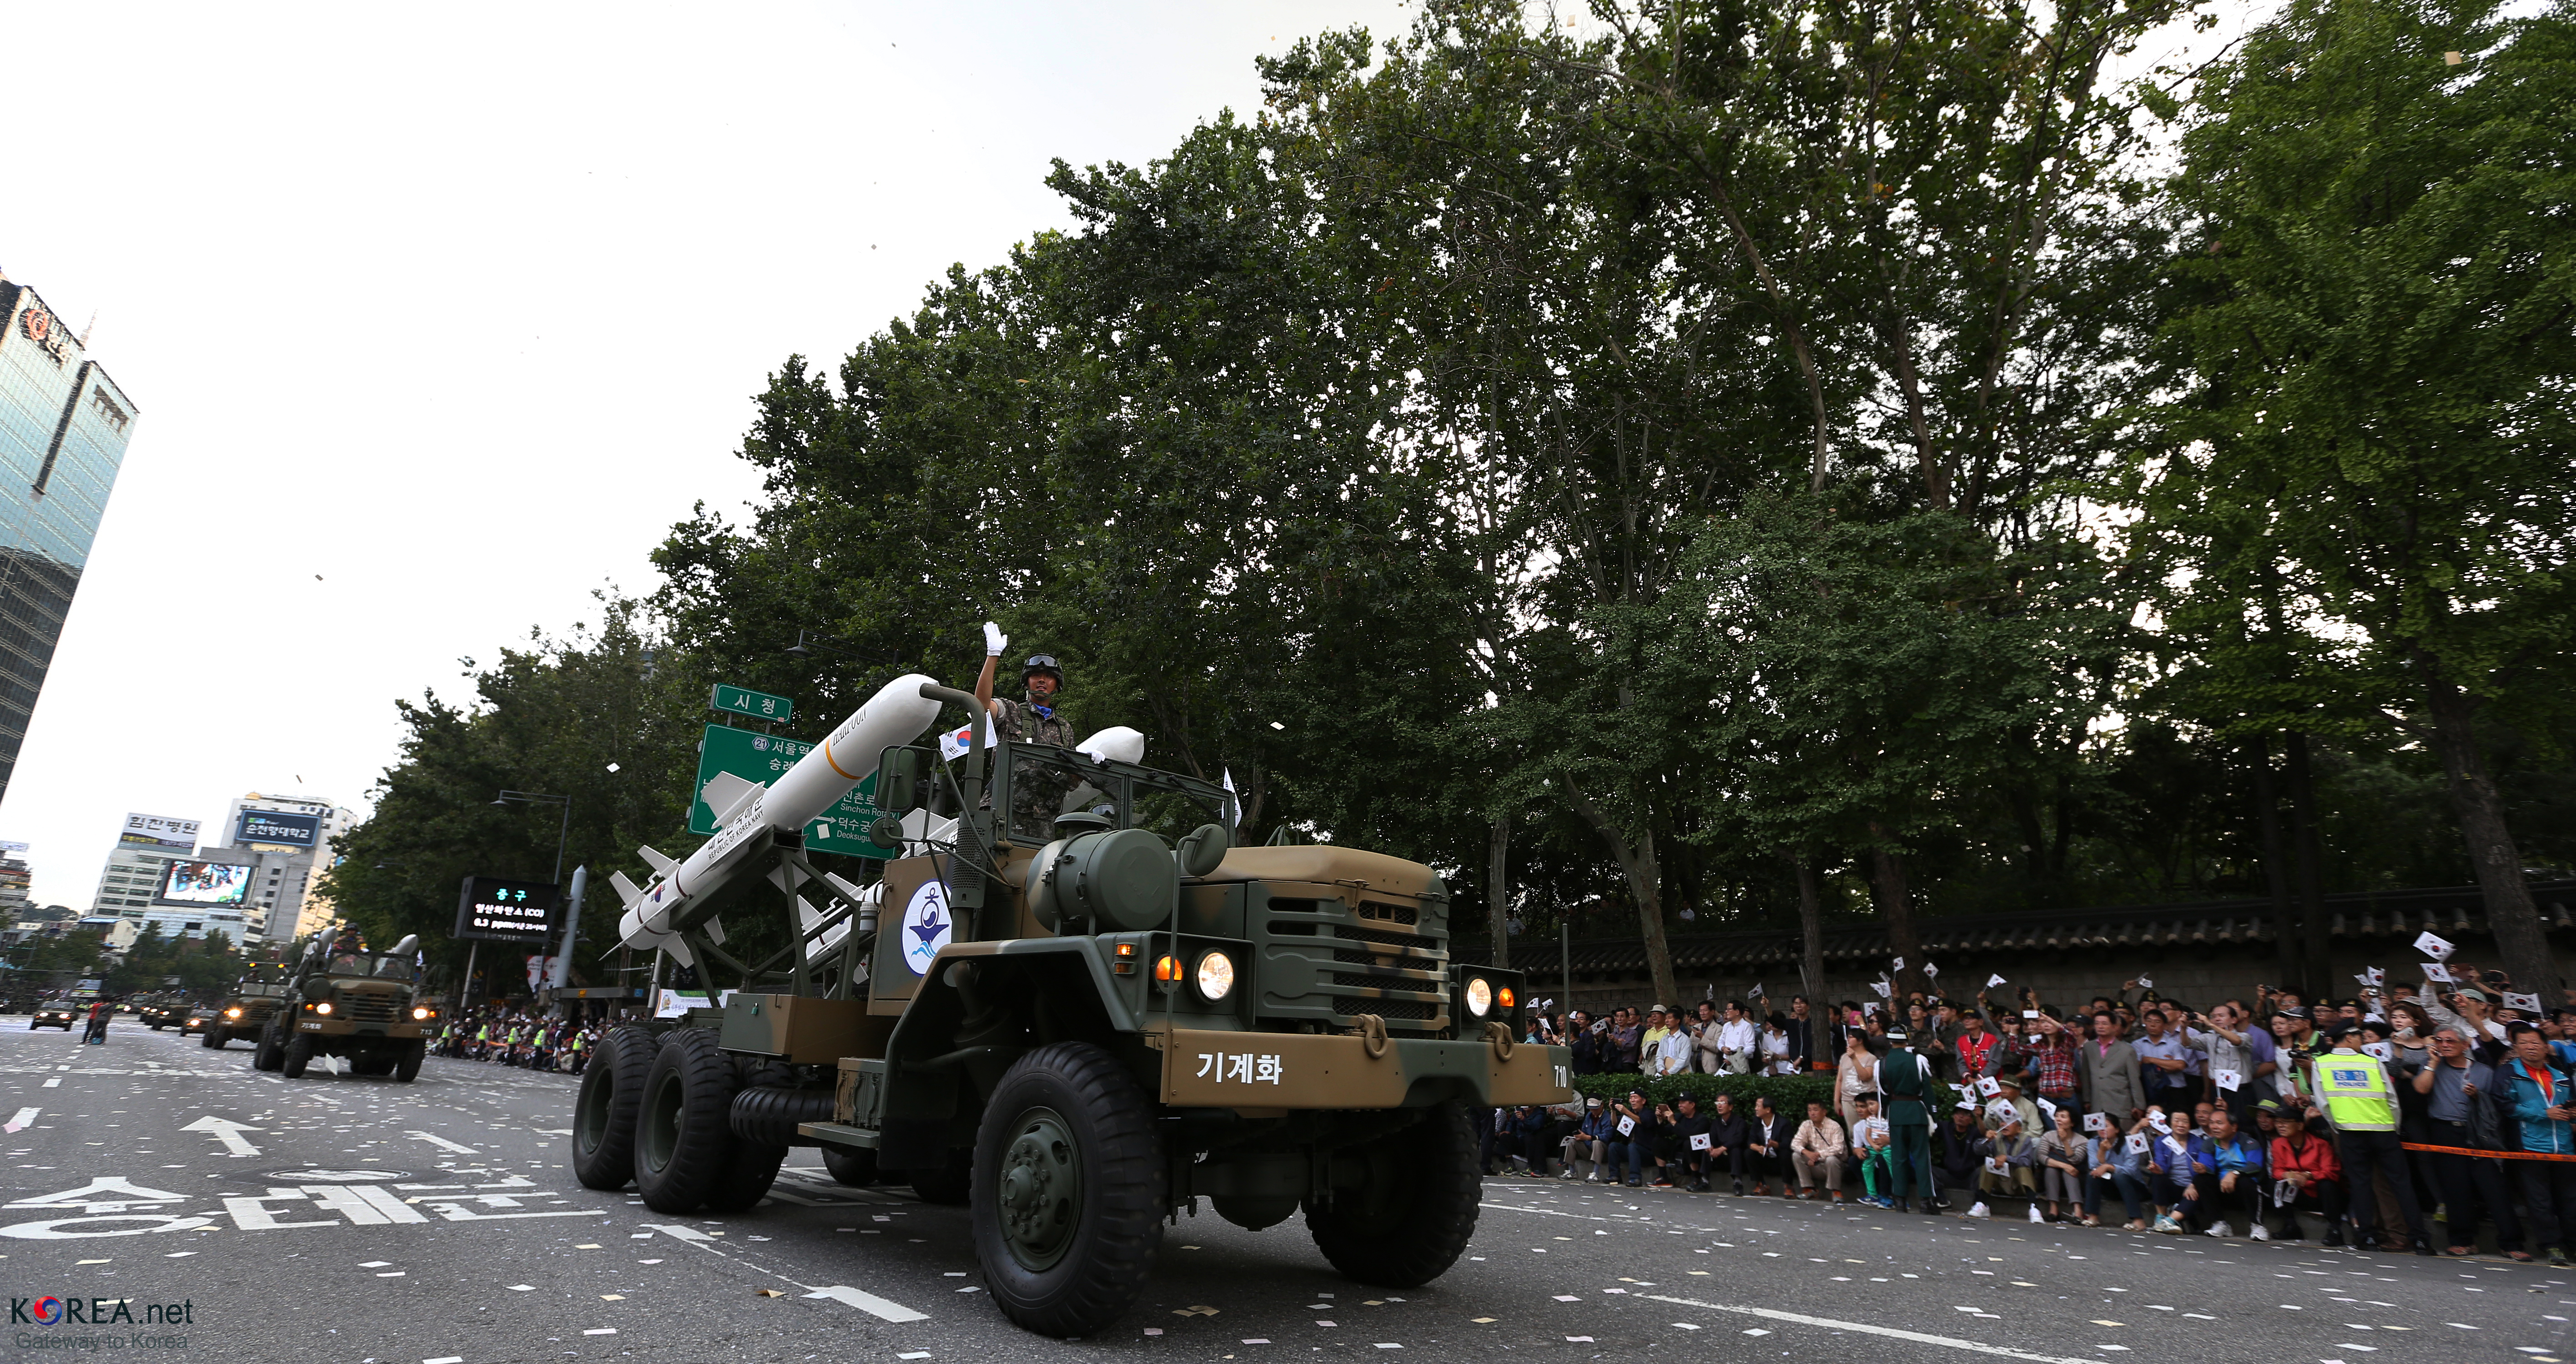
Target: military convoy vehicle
{"type": "Point", "coordinates": [245, 1012]}
{"type": "Point", "coordinates": [162, 1008]}
{"type": "Point", "coordinates": [56, 1013]}
{"type": "Point", "coordinates": [1076, 1009]}
{"type": "Point", "coordinates": [343, 1001]}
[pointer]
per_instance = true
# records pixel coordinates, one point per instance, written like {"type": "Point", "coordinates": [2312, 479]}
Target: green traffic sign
{"type": "Point", "coordinates": [759, 705]}
{"type": "Point", "coordinates": [757, 757]}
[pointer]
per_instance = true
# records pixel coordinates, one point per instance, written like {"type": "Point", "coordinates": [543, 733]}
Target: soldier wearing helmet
{"type": "Point", "coordinates": [1035, 717]}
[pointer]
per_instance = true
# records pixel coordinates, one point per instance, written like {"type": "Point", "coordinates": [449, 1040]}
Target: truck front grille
{"type": "Point", "coordinates": [1352, 1006]}
{"type": "Point", "coordinates": [370, 1008]}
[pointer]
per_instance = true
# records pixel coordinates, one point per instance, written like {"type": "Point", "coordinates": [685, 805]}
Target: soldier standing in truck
{"type": "Point", "coordinates": [1036, 718]}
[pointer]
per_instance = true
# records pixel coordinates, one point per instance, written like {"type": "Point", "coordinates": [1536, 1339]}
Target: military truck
{"type": "Point", "coordinates": [162, 1008]}
{"type": "Point", "coordinates": [246, 1010]}
{"type": "Point", "coordinates": [1082, 1016]}
{"type": "Point", "coordinates": [348, 1002]}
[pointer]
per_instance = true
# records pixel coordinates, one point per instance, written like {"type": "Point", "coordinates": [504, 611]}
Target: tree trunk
{"type": "Point", "coordinates": [1811, 937]}
{"type": "Point", "coordinates": [1897, 906]}
{"type": "Point", "coordinates": [2521, 941]}
{"type": "Point", "coordinates": [1498, 895]}
{"type": "Point", "coordinates": [1645, 888]}
{"type": "Point", "coordinates": [2316, 952]}
{"type": "Point", "coordinates": [2290, 956]}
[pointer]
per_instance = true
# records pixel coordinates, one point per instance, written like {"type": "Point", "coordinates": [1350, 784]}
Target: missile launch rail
{"type": "Point", "coordinates": [1071, 1005]}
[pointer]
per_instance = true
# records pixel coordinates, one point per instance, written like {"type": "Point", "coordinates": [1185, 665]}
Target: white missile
{"type": "Point", "coordinates": [897, 714]}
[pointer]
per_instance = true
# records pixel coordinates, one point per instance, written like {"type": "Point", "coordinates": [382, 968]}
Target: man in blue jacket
{"type": "Point", "coordinates": [2536, 1094]}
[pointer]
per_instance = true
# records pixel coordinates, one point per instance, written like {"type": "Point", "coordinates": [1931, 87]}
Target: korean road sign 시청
{"type": "Point", "coordinates": [759, 705]}
{"type": "Point", "coordinates": [763, 758]}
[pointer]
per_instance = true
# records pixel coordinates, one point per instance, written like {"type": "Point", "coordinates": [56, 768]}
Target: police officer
{"type": "Point", "coordinates": [1034, 719]}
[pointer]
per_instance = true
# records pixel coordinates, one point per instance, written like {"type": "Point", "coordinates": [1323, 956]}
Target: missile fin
{"type": "Point", "coordinates": [679, 951]}
{"type": "Point", "coordinates": [727, 794]}
{"type": "Point", "coordinates": [715, 931]}
{"type": "Point", "coordinates": [627, 891]}
{"type": "Point", "coordinates": [654, 858]}
{"type": "Point", "coordinates": [785, 877]}
{"type": "Point", "coordinates": [806, 915]}
{"type": "Point", "coordinates": [854, 894]}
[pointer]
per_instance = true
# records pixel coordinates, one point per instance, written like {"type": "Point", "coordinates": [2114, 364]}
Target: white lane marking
{"type": "Point", "coordinates": [1544, 1212]}
{"type": "Point", "coordinates": [19, 1123]}
{"type": "Point", "coordinates": [869, 1303]}
{"type": "Point", "coordinates": [1865, 1328]}
{"type": "Point", "coordinates": [226, 1131]}
{"type": "Point", "coordinates": [54, 1083]}
{"type": "Point", "coordinates": [442, 1143]}
{"type": "Point", "coordinates": [680, 1233]}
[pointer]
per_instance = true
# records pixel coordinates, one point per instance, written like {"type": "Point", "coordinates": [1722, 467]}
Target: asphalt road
{"type": "Point", "coordinates": [371, 1222]}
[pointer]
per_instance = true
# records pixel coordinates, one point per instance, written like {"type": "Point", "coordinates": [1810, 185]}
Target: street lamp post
{"type": "Point", "coordinates": [563, 834]}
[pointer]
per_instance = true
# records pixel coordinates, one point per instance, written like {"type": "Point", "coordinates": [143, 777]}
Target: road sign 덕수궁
{"type": "Point", "coordinates": [759, 705]}
{"type": "Point", "coordinates": [757, 757]}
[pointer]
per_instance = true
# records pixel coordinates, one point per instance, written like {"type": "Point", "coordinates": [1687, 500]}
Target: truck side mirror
{"type": "Point", "coordinates": [1201, 850]}
{"type": "Point", "coordinates": [901, 772]}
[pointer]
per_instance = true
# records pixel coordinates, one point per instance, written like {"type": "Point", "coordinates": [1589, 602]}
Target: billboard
{"type": "Point", "coordinates": [492, 909]}
{"type": "Point", "coordinates": [268, 826]}
{"type": "Point", "coordinates": [159, 831]}
{"type": "Point", "coordinates": [204, 883]}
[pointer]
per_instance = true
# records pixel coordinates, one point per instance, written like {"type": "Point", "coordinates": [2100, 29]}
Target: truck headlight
{"type": "Point", "coordinates": [420, 1013]}
{"type": "Point", "coordinates": [1215, 976]}
{"type": "Point", "coordinates": [1480, 996]}
{"type": "Point", "coordinates": [322, 1008]}
{"type": "Point", "coordinates": [232, 1013]}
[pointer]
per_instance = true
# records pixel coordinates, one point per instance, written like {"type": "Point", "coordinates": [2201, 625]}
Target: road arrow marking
{"type": "Point", "coordinates": [227, 1131]}
{"type": "Point", "coordinates": [20, 1122]}
{"type": "Point", "coordinates": [442, 1143]}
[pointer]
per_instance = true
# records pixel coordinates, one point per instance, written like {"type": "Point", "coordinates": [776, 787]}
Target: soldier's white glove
{"type": "Point", "coordinates": [994, 640]}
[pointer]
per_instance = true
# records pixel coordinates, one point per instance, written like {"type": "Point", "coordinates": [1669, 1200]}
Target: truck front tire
{"type": "Point", "coordinates": [684, 1138]}
{"type": "Point", "coordinates": [603, 1117]}
{"type": "Point", "coordinates": [407, 1065]}
{"type": "Point", "coordinates": [213, 1039]}
{"type": "Point", "coordinates": [269, 1052]}
{"type": "Point", "coordinates": [1068, 1190]}
{"type": "Point", "coordinates": [298, 1055]}
{"type": "Point", "coordinates": [1413, 1217]}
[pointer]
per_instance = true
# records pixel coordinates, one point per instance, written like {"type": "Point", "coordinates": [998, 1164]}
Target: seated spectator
{"type": "Point", "coordinates": [1726, 1137]}
{"type": "Point", "coordinates": [1665, 1148]}
{"type": "Point", "coordinates": [2063, 1161]}
{"type": "Point", "coordinates": [1589, 1143]}
{"type": "Point", "coordinates": [1818, 1152]}
{"type": "Point", "coordinates": [2232, 1185]}
{"type": "Point", "coordinates": [1959, 1155]}
{"type": "Point", "coordinates": [1632, 1135]}
{"type": "Point", "coordinates": [1871, 1148]}
{"type": "Point", "coordinates": [2306, 1175]}
{"type": "Point", "coordinates": [1766, 1147]}
{"type": "Point", "coordinates": [2119, 1159]}
{"type": "Point", "coordinates": [1690, 1132]}
{"type": "Point", "coordinates": [2010, 1156]}
{"type": "Point", "coordinates": [2171, 1153]}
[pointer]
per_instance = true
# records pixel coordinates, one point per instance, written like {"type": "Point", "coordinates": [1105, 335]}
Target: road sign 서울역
{"type": "Point", "coordinates": [762, 758]}
{"type": "Point", "coordinates": [759, 705]}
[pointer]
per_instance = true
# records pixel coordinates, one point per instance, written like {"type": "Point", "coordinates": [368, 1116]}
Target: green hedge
{"type": "Point", "coordinates": [1788, 1093]}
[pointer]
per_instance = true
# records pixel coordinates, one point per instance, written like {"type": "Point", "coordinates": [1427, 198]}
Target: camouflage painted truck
{"type": "Point", "coordinates": [1081, 1019]}
{"type": "Point", "coordinates": [365, 1007]}
{"type": "Point", "coordinates": [246, 1010]}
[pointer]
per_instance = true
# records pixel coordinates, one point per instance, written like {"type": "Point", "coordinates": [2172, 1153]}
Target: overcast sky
{"type": "Point", "coordinates": [438, 318]}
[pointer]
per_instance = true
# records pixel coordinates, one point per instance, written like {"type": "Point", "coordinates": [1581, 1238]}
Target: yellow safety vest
{"type": "Point", "coordinates": [2356, 1093]}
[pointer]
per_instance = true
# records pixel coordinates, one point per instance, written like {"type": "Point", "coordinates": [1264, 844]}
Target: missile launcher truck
{"type": "Point", "coordinates": [340, 1001]}
{"type": "Point", "coordinates": [1075, 1009]}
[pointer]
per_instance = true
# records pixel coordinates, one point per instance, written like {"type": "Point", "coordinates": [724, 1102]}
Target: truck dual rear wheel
{"type": "Point", "coordinates": [1068, 1190]}
{"type": "Point", "coordinates": [855, 1166]}
{"type": "Point", "coordinates": [603, 1117]}
{"type": "Point", "coordinates": [685, 1150]}
{"type": "Point", "coordinates": [1413, 1218]}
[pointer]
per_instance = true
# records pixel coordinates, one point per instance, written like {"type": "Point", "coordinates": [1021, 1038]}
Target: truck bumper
{"type": "Point", "coordinates": [1283, 1071]}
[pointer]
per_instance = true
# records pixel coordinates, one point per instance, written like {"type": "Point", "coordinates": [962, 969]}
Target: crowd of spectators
{"type": "Point", "coordinates": [507, 1038]}
{"type": "Point", "coordinates": [2394, 1121]}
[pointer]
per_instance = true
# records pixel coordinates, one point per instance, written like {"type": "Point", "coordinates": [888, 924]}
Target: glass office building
{"type": "Point", "coordinates": [63, 428]}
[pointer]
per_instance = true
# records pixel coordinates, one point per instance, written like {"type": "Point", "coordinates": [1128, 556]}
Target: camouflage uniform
{"type": "Point", "coordinates": [1037, 793]}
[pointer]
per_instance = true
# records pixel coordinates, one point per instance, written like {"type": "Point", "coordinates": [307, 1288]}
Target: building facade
{"type": "Point", "coordinates": [292, 838]}
{"type": "Point", "coordinates": [63, 429]}
{"type": "Point", "coordinates": [145, 848]}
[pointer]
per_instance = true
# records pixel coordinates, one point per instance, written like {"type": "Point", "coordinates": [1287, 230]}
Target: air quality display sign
{"type": "Point", "coordinates": [491, 909]}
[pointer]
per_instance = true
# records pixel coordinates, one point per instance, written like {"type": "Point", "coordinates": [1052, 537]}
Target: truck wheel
{"type": "Point", "coordinates": [603, 1117]}
{"type": "Point", "coordinates": [213, 1039]}
{"type": "Point", "coordinates": [407, 1065]}
{"type": "Point", "coordinates": [1069, 1190]}
{"type": "Point", "coordinates": [1411, 1221]}
{"type": "Point", "coordinates": [855, 1166]}
{"type": "Point", "coordinates": [683, 1130]}
{"type": "Point", "coordinates": [299, 1054]}
{"type": "Point", "coordinates": [269, 1051]}
{"type": "Point", "coordinates": [746, 1177]}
